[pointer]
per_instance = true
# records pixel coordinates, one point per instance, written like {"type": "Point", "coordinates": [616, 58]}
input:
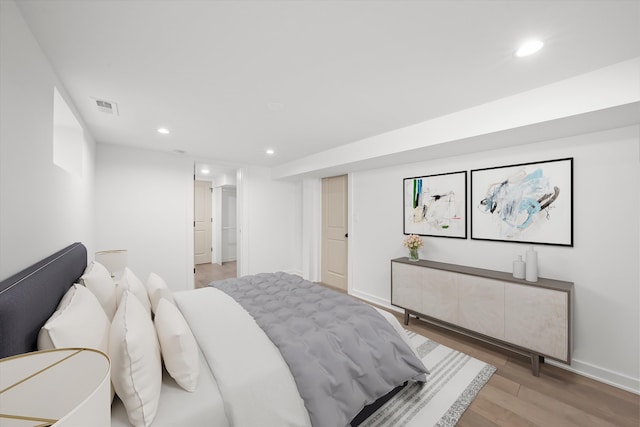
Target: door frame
{"type": "Point", "coordinates": [334, 233]}
{"type": "Point", "coordinates": [210, 222]}
{"type": "Point", "coordinates": [312, 230]}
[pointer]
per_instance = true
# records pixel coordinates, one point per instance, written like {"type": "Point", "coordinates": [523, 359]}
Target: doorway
{"type": "Point", "coordinates": [215, 220]}
{"type": "Point", "coordinates": [214, 223]}
{"type": "Point", "coordinates": [202, 222]}
{"type": "Point", "coordinates": [334, 231]}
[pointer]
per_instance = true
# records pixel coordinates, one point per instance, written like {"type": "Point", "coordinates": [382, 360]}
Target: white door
{"type": "Point", "coordinates": [334, 231]}
{"type": "Point", "coordinates": [202, 222]}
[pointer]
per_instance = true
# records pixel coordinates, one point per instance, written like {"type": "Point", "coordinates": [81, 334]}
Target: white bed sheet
{"type": "Point", "coordinates": [179, 407]}
{"type": "Point", "coordinates": [255, 382]}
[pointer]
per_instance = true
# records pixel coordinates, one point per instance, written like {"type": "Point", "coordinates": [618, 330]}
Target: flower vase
{"type": "Point", "coordinates": [413, 254]}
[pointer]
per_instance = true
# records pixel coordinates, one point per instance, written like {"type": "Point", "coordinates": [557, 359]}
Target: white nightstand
{"type": "Point", "coordinates": [63, 387]}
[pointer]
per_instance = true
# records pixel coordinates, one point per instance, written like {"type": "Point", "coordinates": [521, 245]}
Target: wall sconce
{"type": "Point", "coordinates": [114, 261]}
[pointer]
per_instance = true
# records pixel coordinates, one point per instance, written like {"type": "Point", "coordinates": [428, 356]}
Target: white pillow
{"type": "Point", "coordinates": [79, 321]}
{"type": "Point", "coordinates": [157, 289]}
{"type": "Point", "coordinates": [136, 367]}
{"type": "Point", "coordinates": [130, 282]}
{"type": "Point", "coordinates": [178, 346]}
{"type": "Point", "coordinates": [98, 280]}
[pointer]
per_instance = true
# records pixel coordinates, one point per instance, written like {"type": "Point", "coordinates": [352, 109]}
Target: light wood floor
{"type": "Point", "coordinates": [207, 273]}
{"type": "Point", "coordinates": [515, 398]}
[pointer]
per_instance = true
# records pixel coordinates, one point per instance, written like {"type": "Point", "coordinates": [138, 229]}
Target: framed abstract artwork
{"type": "Point", "coordinates": [525, 203]}
{"type": "Point", "coordinates": [435, 205]}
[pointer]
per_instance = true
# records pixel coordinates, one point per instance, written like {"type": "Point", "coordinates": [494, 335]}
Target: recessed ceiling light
{"type": "Point", "coordinates": [205, 171]}
{"type": "Point", "coordinates": [163, 131]}
{"type": "Point", "coordinates": [529, 48]}
{"type": "Point", "coordinates": [270, 152]}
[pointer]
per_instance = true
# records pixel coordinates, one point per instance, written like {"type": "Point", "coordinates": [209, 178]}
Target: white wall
{"type": "Point", "coordinates": [603, 263]}
{"type": "Point", "coordinates": [144, 203]}
{"type": "Point", "coordinates": [270, 231]}
{"type": "Point", "coordinates": [312, 229]}
{"type": "Point", "coordinates": [43, 208]}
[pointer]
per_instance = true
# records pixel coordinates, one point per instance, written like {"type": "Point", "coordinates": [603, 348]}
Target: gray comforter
{"type": "Point", "coordinates": [342, 353]}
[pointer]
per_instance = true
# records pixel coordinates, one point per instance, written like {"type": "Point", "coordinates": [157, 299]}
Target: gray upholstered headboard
{"type": "Point", "coordinates": [29, 298]}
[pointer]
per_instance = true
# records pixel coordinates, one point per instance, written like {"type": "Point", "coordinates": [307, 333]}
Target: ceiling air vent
{"type": "Point", "coordinates": [107, 107]}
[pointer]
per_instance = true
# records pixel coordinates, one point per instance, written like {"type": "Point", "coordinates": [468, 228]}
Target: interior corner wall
{"type": "Point", "coordinates": [603, 263]}
{"type": "Point", "coordinates": [43, 208]}
{"type": "Point", "coordinates": [270, 228]}
{"type": "Point", "coordinates": [144, 203]}
{"type": "Point", "coordinates": [312, 229]}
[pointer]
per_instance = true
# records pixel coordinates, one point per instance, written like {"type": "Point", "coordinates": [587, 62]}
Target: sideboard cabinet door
{"type": "Point", "coordinates": [537, 319]}
{"type": "Point", "coordinates": [481, 305]}
{"type": "Point", "coordinates": [405, 286]}
{"type": "Point", "coordinates": [439, 294]}
{"type": "Point", "coordinates": [428, 291]}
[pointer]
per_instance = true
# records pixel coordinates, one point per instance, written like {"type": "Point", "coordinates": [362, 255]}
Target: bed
{"type": "Point", "coordinates": [250, 368]}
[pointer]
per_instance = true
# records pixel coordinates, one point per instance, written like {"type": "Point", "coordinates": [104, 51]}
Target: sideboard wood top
{"type": "Point", "coordinates": [542, 282]}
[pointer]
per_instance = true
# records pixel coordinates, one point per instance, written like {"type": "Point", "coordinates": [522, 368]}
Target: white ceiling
{"type": "Point", "coordinates": [233, 78]}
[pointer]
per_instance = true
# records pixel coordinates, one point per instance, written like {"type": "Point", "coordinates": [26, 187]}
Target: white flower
{"type": "Point", "coordinates": [413, 241]}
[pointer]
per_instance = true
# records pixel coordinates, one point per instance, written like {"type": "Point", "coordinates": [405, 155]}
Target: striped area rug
{"type": "Point", "coordinates": [455, 380]}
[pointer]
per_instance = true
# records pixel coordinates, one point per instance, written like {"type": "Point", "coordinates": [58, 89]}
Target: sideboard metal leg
{"type": "Point", "coordinates": [406, 317]}
{"type": "Point", "coordinates": [535, 364]}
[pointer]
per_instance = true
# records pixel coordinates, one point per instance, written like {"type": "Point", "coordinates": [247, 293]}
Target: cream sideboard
{"type": "Point", "coordinates": [532, 318]}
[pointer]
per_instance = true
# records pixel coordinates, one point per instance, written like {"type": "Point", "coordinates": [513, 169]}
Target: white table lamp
{"type": "Point", "coordinates": [114, 261]}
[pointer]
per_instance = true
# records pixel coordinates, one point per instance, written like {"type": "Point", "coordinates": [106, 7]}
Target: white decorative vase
{"type": "Point", "coordinates": [519, 268]}
{"type": "Point", "coordinates": [532, 265]}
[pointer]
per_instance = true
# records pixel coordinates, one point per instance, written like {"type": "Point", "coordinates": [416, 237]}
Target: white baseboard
{"type": "Point", "coordinates": [603, 375]}
{"type": "Point", "coordinates": [375, 300]}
